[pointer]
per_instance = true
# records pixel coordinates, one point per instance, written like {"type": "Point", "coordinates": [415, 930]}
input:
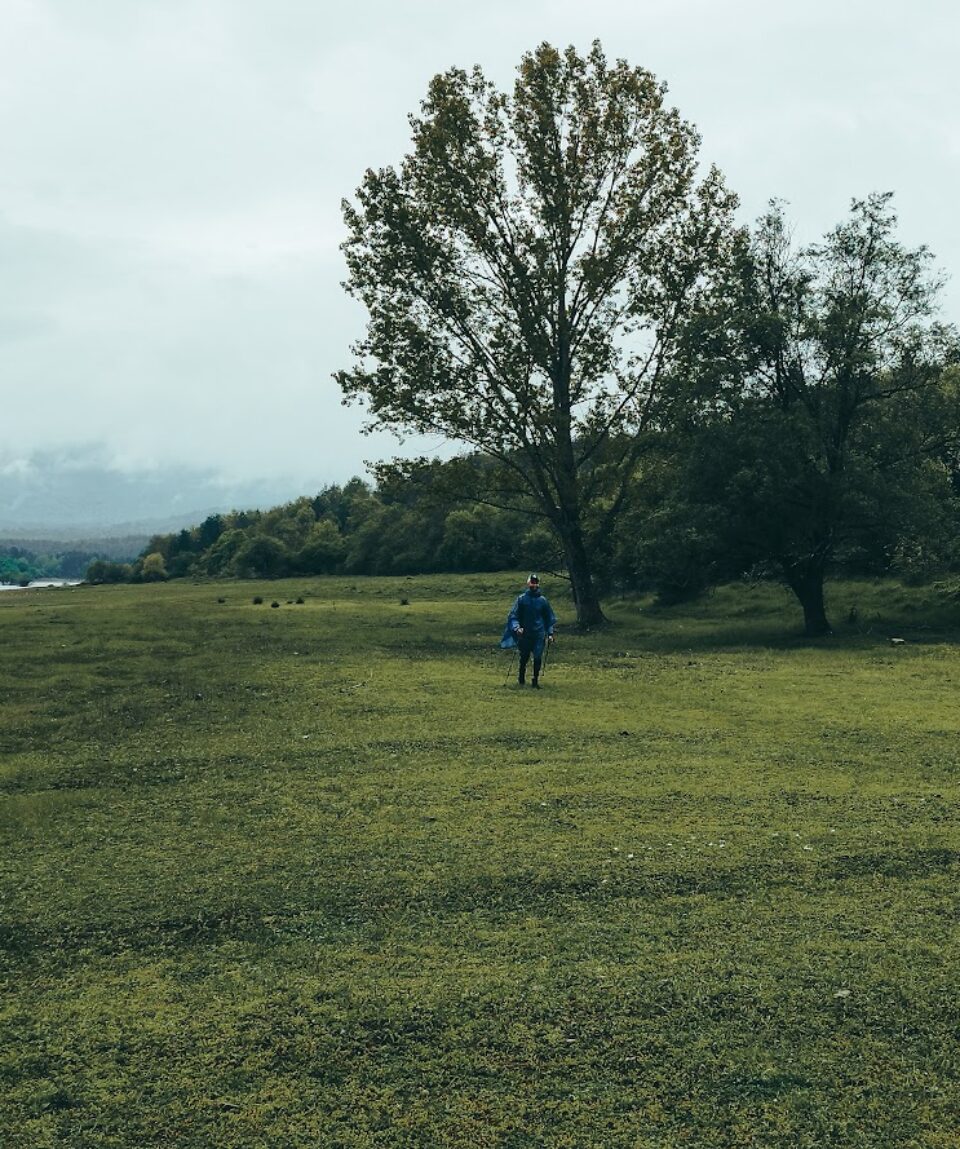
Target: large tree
{"type": "Point", "coordinates": [530, 271]}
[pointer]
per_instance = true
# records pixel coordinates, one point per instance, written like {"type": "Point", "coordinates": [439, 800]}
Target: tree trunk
{"type": "Point", "coordinates": [806, 581]}
{"type": "Point", "coordinates": [567, 476]}
{"type": "Point", "coordinates": [589, 612]}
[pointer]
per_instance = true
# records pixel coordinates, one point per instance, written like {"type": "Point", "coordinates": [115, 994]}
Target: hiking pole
{"type": "Point", "coordinates": [513, 657]}
{"type": "Point", "coordinates": [543, 661]}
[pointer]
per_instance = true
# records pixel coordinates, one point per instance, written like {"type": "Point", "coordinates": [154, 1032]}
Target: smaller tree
{"type": "Point", "coordinates": [153, 568]}
{"type": "Point", "coordinates": [103, 571]}
{"type": "Point", "coordinates": [218, 559]}
{"type": "Point", "coordinates": [261, 557]}
{"type": "Point", "coordinates": [209, 531]}
{"type": "Point", "coordinates": [839, 401]}
{"type": "Point", "coordinates": [478, 538]}
{"type": "Point", "coordinates": [323, 551]}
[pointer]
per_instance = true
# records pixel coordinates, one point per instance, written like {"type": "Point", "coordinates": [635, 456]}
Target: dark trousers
{"type": "Point", "coordinates": [526, 649]}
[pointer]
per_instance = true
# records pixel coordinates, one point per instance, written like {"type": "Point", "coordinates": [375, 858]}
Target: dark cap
{"type": "Point", "coordinates": [533, 579]}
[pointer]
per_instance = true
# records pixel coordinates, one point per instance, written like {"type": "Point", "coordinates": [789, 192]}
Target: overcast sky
{"type": "Point", "coordinates": [171, 173]}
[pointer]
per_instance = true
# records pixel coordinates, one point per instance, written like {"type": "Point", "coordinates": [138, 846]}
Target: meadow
{"type": "Point", "coordinates": [323, 875]}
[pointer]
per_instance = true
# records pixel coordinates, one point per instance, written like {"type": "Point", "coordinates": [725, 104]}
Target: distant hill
{"type": "Point", "coordinates": [33, 535]}
{"type": "Point", "coordinates": [71, 496]}
{"type": "Point", "coordinates": [118, 548]}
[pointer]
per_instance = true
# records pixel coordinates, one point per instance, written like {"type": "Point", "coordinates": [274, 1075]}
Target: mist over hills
{"type": "Point", "coordinates": [76, 495]}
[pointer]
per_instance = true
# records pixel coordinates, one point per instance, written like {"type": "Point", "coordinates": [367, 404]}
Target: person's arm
{"type": "Point", "coordinates": [513, 619]}
{"type": "Point", "coordinates": [551, 621]}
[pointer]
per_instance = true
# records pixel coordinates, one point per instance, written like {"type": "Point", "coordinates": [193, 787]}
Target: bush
{"type": "Point", "coordinates": [101, 571]}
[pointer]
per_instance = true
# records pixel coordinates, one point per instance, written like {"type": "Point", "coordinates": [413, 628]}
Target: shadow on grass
{"type": "Point", "coordinates": [863, 613]}
{"type": "Point", "coordinates": [343, 910]}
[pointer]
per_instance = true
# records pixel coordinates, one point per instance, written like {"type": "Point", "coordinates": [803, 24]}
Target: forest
{"type": "Point", "coordinates": [695, 518]}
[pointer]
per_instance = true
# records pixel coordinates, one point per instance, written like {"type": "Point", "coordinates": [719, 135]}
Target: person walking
{"type": "Point", "coordinates": [530, 626]}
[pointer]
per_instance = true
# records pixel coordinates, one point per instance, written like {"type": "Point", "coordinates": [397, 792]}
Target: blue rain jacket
{"type": "Point", "coordinates": [534, 613]}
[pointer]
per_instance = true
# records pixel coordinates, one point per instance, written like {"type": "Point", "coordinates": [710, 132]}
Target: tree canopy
{"type": "Point", "coordinates": [829, 443]}
{"type": "Point", "coordinates": [530, 271]}
{"type": "Point", "coordinates": [845, 400]}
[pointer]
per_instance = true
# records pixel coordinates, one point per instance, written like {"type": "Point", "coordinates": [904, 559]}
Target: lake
{"type": "Point", "coordinates": [43, 582]}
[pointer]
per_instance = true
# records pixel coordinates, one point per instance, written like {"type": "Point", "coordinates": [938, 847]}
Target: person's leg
{"type": "Point", "coordinates": [524, 659]}
{"type": "Point", "coordinates": [537, 651]}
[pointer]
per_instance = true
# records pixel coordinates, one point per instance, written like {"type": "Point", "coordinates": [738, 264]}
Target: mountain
{"type": "Point", "coordinates": [73, 495]}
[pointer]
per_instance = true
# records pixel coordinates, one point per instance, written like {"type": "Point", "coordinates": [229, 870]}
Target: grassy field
{"type": "Point", "coordinates": [322, 876]}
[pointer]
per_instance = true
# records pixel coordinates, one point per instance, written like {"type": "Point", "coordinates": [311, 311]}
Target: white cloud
{"type": "Point", "coordinates": [169, 197]}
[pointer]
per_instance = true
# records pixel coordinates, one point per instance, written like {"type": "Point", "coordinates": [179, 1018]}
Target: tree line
{"type": "Point", "coordinates": [409, 521]}
{"type": "Point", "coordinates": [24, 561]}
{"type": "Point", "coordinates": [707, 508]}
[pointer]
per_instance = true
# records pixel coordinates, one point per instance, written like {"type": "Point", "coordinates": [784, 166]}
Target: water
{"type": "Point", "coordinates": [41, 582]}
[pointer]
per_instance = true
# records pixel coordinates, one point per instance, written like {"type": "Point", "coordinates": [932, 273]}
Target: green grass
{"type": "Point", "coordinates": [320, 876]}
